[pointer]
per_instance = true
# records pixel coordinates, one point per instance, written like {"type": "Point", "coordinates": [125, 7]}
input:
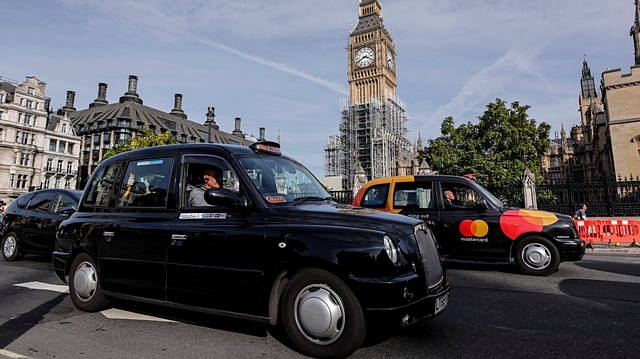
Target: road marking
{"type": "Point", "coordinates": [114, 313]}
{"type": "Point", "coordinates": [8, 354]}
{"type": "Point", "coordinates": [45, 286]}
{"type": "Point", "coordinates": [109, 313]}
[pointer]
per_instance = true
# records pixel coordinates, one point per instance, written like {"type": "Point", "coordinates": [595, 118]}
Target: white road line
{"type": "Point", "coordinates": [8, 354]}
{"type": "Point", "coordinates": [45, 286]}
{"type": "Point", "coordinates": [109, 313]}
{"type": "Point", "coordinates": [114, 313]}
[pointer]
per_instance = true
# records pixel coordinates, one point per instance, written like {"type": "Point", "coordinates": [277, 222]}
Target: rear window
{"type": "Point", "coordinates": [413, 195]}
{"type": "Point", "coordinates": [41, 201]}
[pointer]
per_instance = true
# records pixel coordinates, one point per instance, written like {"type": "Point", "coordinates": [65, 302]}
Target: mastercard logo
{"type": "Point", "coordinates": [477, 228]}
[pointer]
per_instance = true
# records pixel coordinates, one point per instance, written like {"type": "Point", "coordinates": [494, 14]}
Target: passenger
{"type": "Point", "coordinates": [212, 177]}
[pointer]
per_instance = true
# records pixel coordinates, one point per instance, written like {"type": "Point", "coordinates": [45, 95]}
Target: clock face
{"type": "Point", "coordinates": [390, 61]}
{"type": "Point", "coordinates": [364, 57]}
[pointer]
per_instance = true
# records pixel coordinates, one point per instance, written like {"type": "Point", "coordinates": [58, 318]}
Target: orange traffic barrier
{"type": "Point", "coordinates": [609, 231]}
{"type": "Point", "coordinates": [589, 230]}
{"type": "Point", "coordinates": [616, 231]}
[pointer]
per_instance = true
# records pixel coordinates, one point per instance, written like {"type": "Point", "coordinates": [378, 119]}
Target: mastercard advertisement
{"type": "Point", "coordinates": [512, 222]}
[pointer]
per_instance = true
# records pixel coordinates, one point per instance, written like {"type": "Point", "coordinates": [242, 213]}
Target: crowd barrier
{"type": "Point", "coordinates": [609, 231]}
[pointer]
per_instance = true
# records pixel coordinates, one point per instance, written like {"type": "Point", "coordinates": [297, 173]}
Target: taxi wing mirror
{"type": "Point", "coordinates": [224, 197]}
{"type": "Point", "coordinates": [482, 205]}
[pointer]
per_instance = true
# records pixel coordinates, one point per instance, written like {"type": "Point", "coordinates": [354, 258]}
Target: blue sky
{"type": "Point", "coordinates": [282, 64]}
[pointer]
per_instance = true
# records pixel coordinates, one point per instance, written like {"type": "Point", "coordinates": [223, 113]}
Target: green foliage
{"type": "Point", "coordinates": [498, 149]}
{"type": "Point", "coordinates": [146, 139]}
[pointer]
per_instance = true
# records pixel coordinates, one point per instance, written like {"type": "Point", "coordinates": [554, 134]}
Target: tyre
{"type": "Point", "coordinates": [10, 247]}
{"type": "Point", "coordinates": [537, 256]}
{"type": "Point", "coordinates": [321, 315]}
{"type": "Point", "coordinates": [84, 284]}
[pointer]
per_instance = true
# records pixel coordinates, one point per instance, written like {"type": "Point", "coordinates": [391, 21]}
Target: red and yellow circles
{"type": "Point", "coordinates": [477, 228]}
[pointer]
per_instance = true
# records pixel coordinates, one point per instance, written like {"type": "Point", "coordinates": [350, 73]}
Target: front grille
{"type": "Point", "coordinates": [430, 258]}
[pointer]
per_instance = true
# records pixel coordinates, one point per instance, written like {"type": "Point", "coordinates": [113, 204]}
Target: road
{"type": "Point", "coordinates": [588, 309]}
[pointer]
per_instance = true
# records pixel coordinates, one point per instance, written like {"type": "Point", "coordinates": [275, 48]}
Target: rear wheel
{"type": "Point", "coordinates": [84, 284]}
{"type": "Point", "coordinates": [537, 256]}
{"type": "Point", "coordinates": [321, 315]}
{"type": "Point", "coordinates": [10, 247]}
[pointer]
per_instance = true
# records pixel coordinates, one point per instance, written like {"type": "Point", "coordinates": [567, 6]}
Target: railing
{"type": "Point", "coordinates": [345, 197]}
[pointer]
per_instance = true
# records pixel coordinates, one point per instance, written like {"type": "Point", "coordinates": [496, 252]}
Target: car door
{"type": "Point", "coordinates": [216, 257]}
{"type": "Point", "coordinates": [133, 236]}
{"type": "Point", "coordinates": [37, 224]}
{"type": "Point", "coordinates": [466, 228]}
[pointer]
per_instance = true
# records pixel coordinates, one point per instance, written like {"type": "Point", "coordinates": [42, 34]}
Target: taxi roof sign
{"type": "Point", "coordinates": [268, 147]}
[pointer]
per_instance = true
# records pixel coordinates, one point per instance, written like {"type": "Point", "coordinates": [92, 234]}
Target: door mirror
{"type": "Point", "coordinates": [482, 205]}
{"type": "Point", "coordinates": [224, 197]}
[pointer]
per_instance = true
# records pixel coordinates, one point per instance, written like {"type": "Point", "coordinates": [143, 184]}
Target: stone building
{"type": "Point", "coordinates": [38, 148]}
{"type": "Point", "coordinates": [374, 125]}
{"type": "Point", "coordinates": [103, 125]}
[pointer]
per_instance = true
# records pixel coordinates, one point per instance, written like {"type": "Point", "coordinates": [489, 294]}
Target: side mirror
{"type": "Point", "coordinates": [505, 202]}
{"type": "Point", "coordinates": [67, 212]}
{"type": "Point", "coordinates": [482, 204]}
{"type": "Point", "coordinates": [224, 197]}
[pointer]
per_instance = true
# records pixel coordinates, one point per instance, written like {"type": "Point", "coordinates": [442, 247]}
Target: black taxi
{"type": "Point", "coordinates": [270, 246]}
{"type": "Point", "coordinates": [469, 222]}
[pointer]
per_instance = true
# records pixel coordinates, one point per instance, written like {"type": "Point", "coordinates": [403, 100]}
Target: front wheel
{"type": "Point", "coordinates": [321, 315]}
{"type": "Point", "coordinates": [84, 284]}
{"type": "Point", "coordinates": [10, 247]}
{"type": "Point", "coordinates": [537, 256]}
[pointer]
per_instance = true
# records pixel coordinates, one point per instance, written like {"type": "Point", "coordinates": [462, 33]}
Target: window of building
{"type": "Point", "coordinates": [12, 178]}
{"type": "Point", "coordinates": [29, 104]}
{"type": "Point", "coordinates": [67, 184]}
{"type": "Point", "coordinates": [19, 117]}
{"type": "Point", "coordinates": [31, 91]}
{"type": "Point", "coordinates": [27, 119]}
{"type": "Point", "coordinates": [1, 97]}
{"type": "Point", "coordinates": [59, 168]}
{"type": "Point", "coordinates": [61, 146]}
{"type": "Point", "coordinates": [64, 128]}
{"type": "Point", "coordinates": [47, 182]}
{"type": "Point", "coordinates": [52, 145]}
{"type": "Point", "coordinates": [33, 138]}
{"type": "Point", "coordinates": [70, 148]}
{"type": "Point", "coordinates": [49, 164]}
{"type": "Point", "coordinates": [57, 183]}
{"type": "Point", "coordinates": [25, 138]}
{"type": "Point", "coordinates": [69, 167]}
{"type": "Point", "coordinates": [21, 102]}
{"type": "Point", "coordinates": [1, 111]}
{"type": "Point", "coordinates": [15, 158]}
{"type": "Point", "coordinates": [24, 159]}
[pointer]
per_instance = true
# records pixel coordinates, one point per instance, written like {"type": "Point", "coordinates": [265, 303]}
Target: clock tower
{"type": "Point", "coordinates": [371, 57]}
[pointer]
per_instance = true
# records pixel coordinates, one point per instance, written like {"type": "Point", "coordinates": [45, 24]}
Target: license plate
{"type": "Point", "coordinates": [441, 303]}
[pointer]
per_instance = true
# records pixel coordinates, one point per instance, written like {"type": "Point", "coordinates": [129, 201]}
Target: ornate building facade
{"type": "Point", "coordinates": [374, 127]}
{"type": "Point", "coordinates": [103, 125]}
{"type": "Point", "coordinates": [38, 148]}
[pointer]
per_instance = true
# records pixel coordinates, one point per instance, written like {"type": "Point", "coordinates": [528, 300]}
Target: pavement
{"type": "Point", "coordinates": [622, 248]}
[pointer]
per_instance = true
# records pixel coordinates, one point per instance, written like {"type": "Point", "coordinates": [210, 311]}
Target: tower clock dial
{"type": "Point", "coordinates": [390, 61]}
{"type": "Point", "coordinates": [364, 57]}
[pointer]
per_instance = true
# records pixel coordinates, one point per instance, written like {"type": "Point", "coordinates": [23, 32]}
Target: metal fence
{"type": "Point", "coordinates": [345, 197]}
{"type": "Point", "coordinates": [607, 198]}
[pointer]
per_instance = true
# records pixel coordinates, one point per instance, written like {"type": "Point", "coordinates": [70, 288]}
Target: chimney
{"type": "Point", "coordinates": [261, 134]}
{"type": "Point", "coordinates": [102, 96]}
{"type": "Point", "coordinates": [177, 106]}
{"type": "Point", "coordinates": [131, 94]}
{"type": "Point", "coordinates": [68, 107]}
{"type": "Point", "coordinates": [237, 130]}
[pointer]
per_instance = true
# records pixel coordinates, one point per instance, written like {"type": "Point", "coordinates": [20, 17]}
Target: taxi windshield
{"type": "Point", "coordinates": [282, 181]}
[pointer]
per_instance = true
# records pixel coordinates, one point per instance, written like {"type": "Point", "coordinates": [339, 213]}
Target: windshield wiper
{"type": "Point", "coordinates": [301, 200]}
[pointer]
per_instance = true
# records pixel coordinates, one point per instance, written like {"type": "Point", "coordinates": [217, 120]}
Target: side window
{"type": "Point", "coordinates": [413, 195]}
{"type": "Point", "coordinates": [146, 183]}
{"type": "Point", "coordinates": [102, 183]}
{"type": "Point", "coordinates": [203, 172]}
{"type": "Point", "coordinates": [458, 196]}
{"type": "Point", "coordinates": [41, 202]}
{"type": "Point", "coordinates": [376, 196]}
{"type": "Point", "coordinates": [62, 203]}
{"type": "Point", "coordinates": [21, 202]}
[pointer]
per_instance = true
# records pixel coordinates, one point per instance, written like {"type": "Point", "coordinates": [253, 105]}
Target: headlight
{"type": "Point", "coordinates": [391, 248]}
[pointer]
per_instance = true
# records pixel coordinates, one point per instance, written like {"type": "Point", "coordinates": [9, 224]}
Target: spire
{"type": "Point", "coordinates": [635, 33]}
{"type": "Point", "coordinates": [587, 82]}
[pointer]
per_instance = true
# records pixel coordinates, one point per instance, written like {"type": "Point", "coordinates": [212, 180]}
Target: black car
{"type": "Point", "coordinates": [29, 223]}
{"type": "Point", "coordinates": [470, 223]}
{"type": "Point", "coordinates": [270, 246]}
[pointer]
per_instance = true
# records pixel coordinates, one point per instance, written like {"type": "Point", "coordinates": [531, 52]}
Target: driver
{"type": "Point", "coordinates": [212, 177]}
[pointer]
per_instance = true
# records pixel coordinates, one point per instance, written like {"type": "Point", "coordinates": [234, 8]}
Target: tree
{"type": "Point", "coordinates": [146, 139]}
{"type": "Point", "coordinates": [498, 149]}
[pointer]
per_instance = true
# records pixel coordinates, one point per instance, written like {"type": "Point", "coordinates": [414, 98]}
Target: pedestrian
{"type": "Point", "coordinates": [581, 213]}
